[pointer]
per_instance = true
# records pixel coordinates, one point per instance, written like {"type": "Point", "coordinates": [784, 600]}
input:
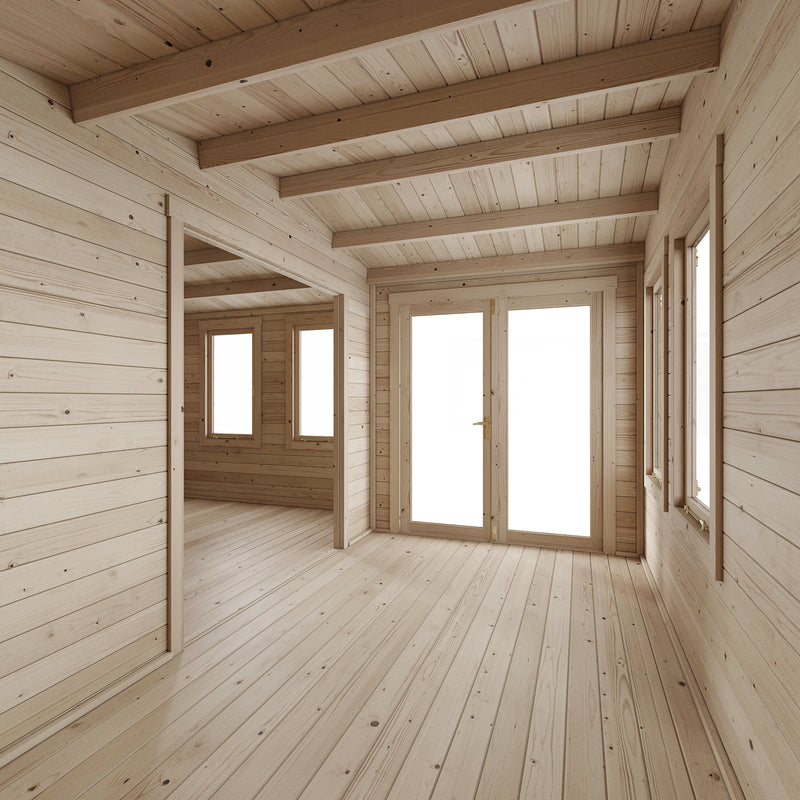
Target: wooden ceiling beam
{"type": "Point", "coordinates": [635, 129]}
{"type": "Point", "coordinates": [615, 255]}
{"type": "Point", "coordinates": [627, 205]}
{"type": "Point", "coordinates": [254, 286]}
{"type": "Point", "coordinates": [208, 255]}
{"type": "Point", "coordinates": [634, 65]}
{"type": "Point", "coordinates": [336, 31]}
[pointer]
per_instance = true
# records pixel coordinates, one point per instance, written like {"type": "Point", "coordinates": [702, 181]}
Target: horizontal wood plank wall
{"type": "Point", "coordinates": [742, 636]}
{"type": "Point", "coordinates": [625, 449]}
{"type": "Point", "coordinates": [83, 401]}
{"type": "Point", "coordinates": [272, 473]}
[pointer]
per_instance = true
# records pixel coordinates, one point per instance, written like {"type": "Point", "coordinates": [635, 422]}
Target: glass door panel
{"type": "Point", "coordinates": [447, 448]}
{"type": "Point", "coordinates": [549, 420]}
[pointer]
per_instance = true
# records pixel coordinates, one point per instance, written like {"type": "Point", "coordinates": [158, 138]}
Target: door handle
{"type": "Point", "coordinates": [487, 427]}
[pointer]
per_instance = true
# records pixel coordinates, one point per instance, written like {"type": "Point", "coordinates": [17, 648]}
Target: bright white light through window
{"type": "Point", "coordinates": [549, 420]}
{"type": "Point", "coordinates": [232, 383]}
{"type": "Point", "coordinates": [702, 370]}
{"type": "Point", "coordinates": [446, 399]}
{"type": "Point", "coordinates": [315, 375]}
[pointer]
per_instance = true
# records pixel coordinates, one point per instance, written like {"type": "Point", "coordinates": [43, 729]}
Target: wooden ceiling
{"type": "Point", "coordinates": [365, 110]}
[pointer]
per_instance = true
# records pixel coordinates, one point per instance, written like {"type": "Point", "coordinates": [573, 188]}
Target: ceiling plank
{"type": "Point", "coordinates": [635, 129]}
{"type": "Point", "coordinates": [635, 65]}
{"type": "Point", "coordinates": [336, 31]}
{"type": "Point", "coordinates": [208, 255]}
{"type": "Point", "coordinates": [221, 288]}
{"type": "Point", "coordinates": [615, 255]}
{"type": "Point", "coordinates": [627, 205]}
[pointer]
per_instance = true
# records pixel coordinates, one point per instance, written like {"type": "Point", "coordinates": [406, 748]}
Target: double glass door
{"type": "Point", "coordinates": [499, 403]}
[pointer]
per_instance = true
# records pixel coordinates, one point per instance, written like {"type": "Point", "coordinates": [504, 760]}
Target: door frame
{"type": "Point", "coordinates": [181, 219]}
{"type": "Point", "coordinates": [600, 292]}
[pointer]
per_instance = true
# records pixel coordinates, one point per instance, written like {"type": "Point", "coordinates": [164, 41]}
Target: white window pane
{"type": "Point", "coordinates": [658, 380]}
{"type": "Point", "coordinates": [446, 399]}
{"type": "Point", "coordinates": [702, 371]}
{"type": "Point", "coordinates": [549, 420]}
{"type": "Point", "coordinates": [232, 383]}
{"type": "Point", "coordinates": [315, 354]}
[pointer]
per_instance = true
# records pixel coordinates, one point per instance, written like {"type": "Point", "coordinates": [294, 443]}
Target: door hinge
{"type": "Point", "coordinates": [494, 531]}
{"type": "Point", "coordinates": [494, 306]}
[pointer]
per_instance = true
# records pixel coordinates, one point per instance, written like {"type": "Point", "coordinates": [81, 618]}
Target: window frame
{"type": "Point", "coordinates": [207, 330]}
{"type": "Point", "coordinates": [693, 507]}
{"type": "Point", "coordinates": [293, 329]}
{"type": "Point", "coordinates": [656, 380]}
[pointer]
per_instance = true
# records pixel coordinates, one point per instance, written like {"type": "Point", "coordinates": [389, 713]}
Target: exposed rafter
{"type": "Point", "coordinates": [614, 255]}
{"type": "Point", "coordinates": [337, 31]}
{"type": "Point", "coordinates": [255, 286]}
{"type": "Point", "coordinates": [208, 255]}
{"type": "Point", "coordinates": [634, 65]}
{"type": "Point", "coordinates": [628, 205]}
{"type": "Point", "coordinates": [645, 127]}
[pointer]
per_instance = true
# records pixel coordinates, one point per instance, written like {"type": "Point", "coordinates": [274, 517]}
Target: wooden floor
{"type": "Point", "coordinates": [401, 668]}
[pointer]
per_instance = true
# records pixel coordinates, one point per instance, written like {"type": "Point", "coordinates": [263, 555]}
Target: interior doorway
{"type": "Point", "coordinates": [499, 413]}
{"type": "Point", "coordinates": [226, 292]}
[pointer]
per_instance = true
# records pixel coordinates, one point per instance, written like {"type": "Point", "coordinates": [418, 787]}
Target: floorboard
{"type": "Point", "coordinates": [403, 668]}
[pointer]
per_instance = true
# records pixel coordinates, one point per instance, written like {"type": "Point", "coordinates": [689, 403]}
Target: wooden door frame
{"type": "Point", "coordinates": [180, 222]}
{"type": "Point", "coordinates": [401, 521]}
{"type": "Point", "coordinates": [603, 291]}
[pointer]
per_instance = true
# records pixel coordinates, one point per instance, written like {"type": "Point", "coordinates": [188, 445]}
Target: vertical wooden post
{"type": "Point", "coordinates": [340, 533]}
{"type": "Point", "coordinates": [175, 369]}
{"type": "Point", "coordinates": [717, 214]}
{"type": "Point", "coordinates": [372, 412]}
{"type": "Point", "coordinates": [641, 463]}
{"type": "Point", "coordinates": [664, 432]}
{"type": "Point", "coordinates": [609, 416]}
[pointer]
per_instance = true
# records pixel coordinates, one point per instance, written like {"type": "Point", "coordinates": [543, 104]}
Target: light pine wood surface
{"type": "Point", "coordinates": [275, 470]}
{"type": "Point", "coordinates": [741, 634]}
{"type": "Point", "coordinates": [402, 667]}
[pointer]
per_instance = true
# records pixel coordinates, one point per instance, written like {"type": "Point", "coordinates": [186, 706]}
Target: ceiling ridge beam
{"type": "Point", "coordinates": [634, 129]}
{"type": "Point", "coordinates": [627, 205]}
{"type": "Point", "coordinates": [337, 31]}
{"type": "Point", "coordinates": [602, 257]}
{"type": "Point", "coordinates": [247, 286]}
{"type": "Point", "coordinates": [633, 65]}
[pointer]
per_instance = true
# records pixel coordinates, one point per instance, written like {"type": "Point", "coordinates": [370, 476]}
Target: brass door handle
{"type": "Point", "coordinates": [487, 427]}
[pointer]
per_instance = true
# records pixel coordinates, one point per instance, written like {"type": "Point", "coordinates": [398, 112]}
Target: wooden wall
{"type": "Point", "coordinates": [83, 381]}
{"type": "Point", "coordinates": [626, 405]}
{"type": "Point", "coordinates": [742, 636]}
{"type": "Point", "coordinates": [272, 473]}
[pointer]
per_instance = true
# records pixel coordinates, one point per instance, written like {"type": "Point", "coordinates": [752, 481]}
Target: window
{"type": "Point", "coordinates": [231, 360]}
{"type": "Point", "coordinates": [310, 383]}
{"type": "Point", "coordinates": [698, 378]}
{"type": "Point", "coordinates": [698, 387]}
{"type": "Point", "coordinates": [656, 383]}
{"type": "Point", "coordinates": [658, 378]}
{"type": "Point", "coordinates": [231, 382]}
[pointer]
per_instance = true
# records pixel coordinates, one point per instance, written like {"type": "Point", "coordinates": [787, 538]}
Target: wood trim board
{"type": "Point", "coordinates": [339, 31]}
{"type": "Point", "coordinates": [175, 426]}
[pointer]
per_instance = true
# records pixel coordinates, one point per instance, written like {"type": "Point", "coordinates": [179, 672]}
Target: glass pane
{"type": "Point", "coordinates": [702, 371]}
{"type": "Point", "coordinates": [549, 420]}
{"type": "Point", "coordinates": [658, 381]}
{"type": "Point", "coordinates": [315, 353]}
{"type": "Point", "coordinates": [232, 383]}
{"type": "Point", "coordinates": [446, 399]}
